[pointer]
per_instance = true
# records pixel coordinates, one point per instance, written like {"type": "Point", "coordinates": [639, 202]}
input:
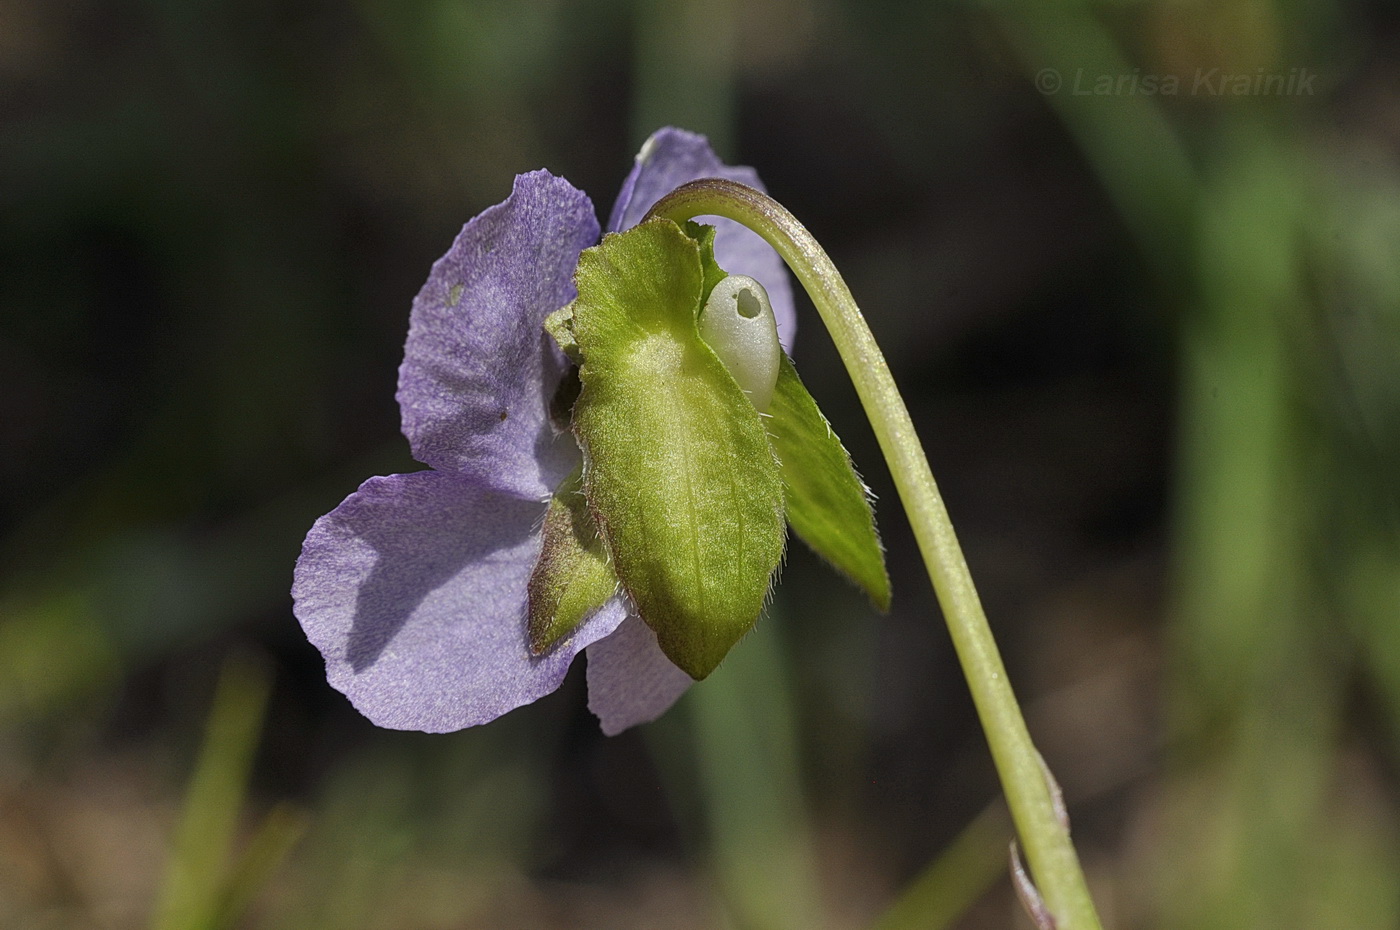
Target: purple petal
{"type": "Point", "coordinates": [478, 371]}
{"type": "Point", "coordinates": [672, 157]}
{"type": "Point", "coordinates": [414, 591]}
{"type": "Point", "coordinates": [630, 680]}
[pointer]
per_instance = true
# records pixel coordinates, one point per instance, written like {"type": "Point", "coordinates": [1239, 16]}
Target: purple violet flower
{"type": "Point", "coordinates": [414, 588]}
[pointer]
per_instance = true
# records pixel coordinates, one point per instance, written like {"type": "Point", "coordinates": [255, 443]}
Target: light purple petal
{"type": "Point", "coordinates": [478, 371]}
{"type": "Point", "coordinates": [414, 591]}
{"type": "Point", "coordinates": [672, 157]}
{"type": "Point", "coordinates": [630, 680]}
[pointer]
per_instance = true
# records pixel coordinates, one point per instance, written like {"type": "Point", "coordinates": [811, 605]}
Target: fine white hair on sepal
{"type": "Point", "coordinates": [737, 323]}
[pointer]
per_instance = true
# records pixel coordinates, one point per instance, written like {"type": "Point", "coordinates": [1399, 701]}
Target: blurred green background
{"type": "Point", "coordinates": [1151, 340]}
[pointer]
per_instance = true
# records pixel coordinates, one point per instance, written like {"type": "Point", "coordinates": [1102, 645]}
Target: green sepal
{"type": "Point", "coordinates": [572, 578]}
{"type": "Point", "coordinates": [710, 270]}
{"type": "Point", "coordinates": [560, 326]}
{"type": "Point", "coordinates": [679, 474]}
{"type": "Point", "coordinates": [827, 503]}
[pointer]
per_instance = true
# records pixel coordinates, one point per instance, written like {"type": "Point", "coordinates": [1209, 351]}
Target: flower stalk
{"type": "Point", "coordinates": [1030, 795]}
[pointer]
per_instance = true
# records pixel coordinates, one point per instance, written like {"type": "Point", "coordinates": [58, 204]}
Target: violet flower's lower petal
{"type": "Point", "coordinates": [670, 158]}
{"type": "Point", "coordinates": [414, 591]}
{"type": "Point", "coordinates": [479, 373]}
{"type": "Point", "coordinates": [630, 680]}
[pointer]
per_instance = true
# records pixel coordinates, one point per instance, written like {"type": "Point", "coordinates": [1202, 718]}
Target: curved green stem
{"type": "Point", "coordinates": [1029, 792]}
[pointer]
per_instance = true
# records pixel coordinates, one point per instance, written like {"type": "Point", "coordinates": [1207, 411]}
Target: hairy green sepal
{"type": "Point", "coordinates": [710, 270]}
{"type": "Point", "coordinates": [827, 503]}
{"type": "Point", "coordinates": [679, 474]}
{"type": "Point", "coordinates": [572, 579]}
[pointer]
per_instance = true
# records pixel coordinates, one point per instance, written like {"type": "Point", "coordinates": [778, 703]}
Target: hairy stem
{"type": "Point", "coordinates": [1029, 793]}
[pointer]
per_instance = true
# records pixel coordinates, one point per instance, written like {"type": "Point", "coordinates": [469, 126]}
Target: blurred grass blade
{"type": "Point", "coordinates": [685, 69]}
{"type": "Point", "coordinates": [1136, 152]}
{"type": "Point", "coordinates": [279, 833]}
{"type": "Point", "coordinates": [192, 896]}
{"type": "Point", "coordinates": [957, 878]}
{"type": "Point", "coordinates": [53, 652]}
{"type": "Point", "coordinates": [749, 780]}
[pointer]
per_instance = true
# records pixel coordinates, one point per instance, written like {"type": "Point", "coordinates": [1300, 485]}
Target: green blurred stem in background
{"type": "Point", "coordinates": [1053, 861]}
{"type": "Point", "coordinates": [206, 886]}
{"type": "Point", "coordinates": [685, 75]}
